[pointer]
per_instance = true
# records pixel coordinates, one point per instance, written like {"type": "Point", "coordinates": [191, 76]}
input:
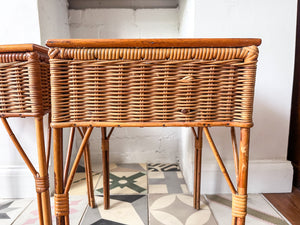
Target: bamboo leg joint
{"type": "Point", "coordinates": [61, 202]}
{"type": "Point", "coordinates": [41, 183]}
{"type": "Point", "coordinates": [239, 205]}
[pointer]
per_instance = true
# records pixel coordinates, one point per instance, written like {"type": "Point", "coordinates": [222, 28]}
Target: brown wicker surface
{"type": "Point", "coordinates": [152, 86]}
{"type": "Point", "coordinates": [24, 82]}
{"type": "Point", "coordinates": [25, 92]}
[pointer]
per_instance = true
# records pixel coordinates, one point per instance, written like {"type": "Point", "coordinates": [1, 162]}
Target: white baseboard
{"type": "Point", "coordinates": [265, 176]}
{"type": "Point", "coordinates": [17, 182]}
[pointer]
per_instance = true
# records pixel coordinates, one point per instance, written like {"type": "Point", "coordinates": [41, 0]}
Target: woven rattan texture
{"type": "Point", "coordinates": [24, 85]}
{"type": "Point", "coordinates": [153, 85]}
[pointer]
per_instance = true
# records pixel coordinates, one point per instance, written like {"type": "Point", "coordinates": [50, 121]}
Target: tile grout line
{"type": "Point", "coordinates": [207, 203]}
{"type": "Point", "coordinates": [83, 214]}
{"type": "Point", "coordinates": [32, 200]}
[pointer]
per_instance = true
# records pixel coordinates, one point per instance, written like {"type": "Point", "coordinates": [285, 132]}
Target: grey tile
{"type": "Point", "coordinates": [10, 209]}
{"type": "Point", "coordinates": [126, 167]}
{"type": "Point", "coordinates": [166, 182]}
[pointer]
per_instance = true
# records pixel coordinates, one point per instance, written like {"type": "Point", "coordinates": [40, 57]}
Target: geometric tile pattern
{"type": "Point", "coordinates": [162, 167]}
{"type": "Point", "coordinates": [11, 208]}
{"type": "Point", "coordinates": [125, 183]}
{"type": "Point", "coordinates": [4, 209]}
{"type": "Point", "coordinates": [178, 209]}
{"type": "Point", "coordinates": [132, 202]}
{"type": "Point", "coordinates": [166, 182]}
{"type": "Point", "coordinates": [124, 209]}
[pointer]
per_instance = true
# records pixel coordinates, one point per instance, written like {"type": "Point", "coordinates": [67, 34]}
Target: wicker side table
{"type": "Point", "coordinates": [154, 83]}
{"type": "Point", "coordinates": [25, 92]}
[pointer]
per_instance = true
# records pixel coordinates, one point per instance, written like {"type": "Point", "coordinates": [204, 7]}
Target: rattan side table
{"type": "Point", "coordinates": [198, 83]}
{"type": "Point", "coordinates": [25, 92]}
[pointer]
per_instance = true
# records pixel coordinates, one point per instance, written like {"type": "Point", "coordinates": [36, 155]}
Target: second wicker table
{"type": "Point", "coordinates": [25, 92]}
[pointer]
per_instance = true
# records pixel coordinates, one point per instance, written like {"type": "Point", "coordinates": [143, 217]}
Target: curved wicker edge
{"type": "Point", "coordinates": [247, 53]}
{"type": "Point", "coordinates": [22, 56]}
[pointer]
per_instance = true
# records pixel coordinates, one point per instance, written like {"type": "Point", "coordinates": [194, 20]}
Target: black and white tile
{"type": "Point", "coordinates": [153, 194]}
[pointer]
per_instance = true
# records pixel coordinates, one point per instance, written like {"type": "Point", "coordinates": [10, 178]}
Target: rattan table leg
{"type": "Point", "coordinates": [105, 165]}
{"type": "Point", "coordinates": [88, 173]}
{"type": "Point", "coordinates": [43, 170]}
{"type": "Point", "coordinates": [69, 154]}
{"type": "Point", "coordinates": [40, 208]}
{"type": "Point", "coordinates": [197, 168]}
{"type": "Point", "coordinates": [58, 169]}
{"type": "Point", "coordinates": [243, 178]}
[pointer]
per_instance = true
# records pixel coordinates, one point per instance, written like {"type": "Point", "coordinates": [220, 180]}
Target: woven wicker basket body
{"type": "Point", "coordinates": [152, 86]}
{"type": "Point", "coordinates": [24, 82]}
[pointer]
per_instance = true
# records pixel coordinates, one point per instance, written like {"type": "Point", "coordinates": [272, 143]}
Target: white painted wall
{"type": "Point", "coordinates": [186, 16]}
{"type": "Point", "coordinates": [130, 144]}
{"type": "Point", "coordinates": [18, 28]}
{"type": "Point", "coordinates": [275, 23]}
{"type": "Point", "coordinates": [29, 21]}
{"type": "Point", "coordinates": [16, 24]}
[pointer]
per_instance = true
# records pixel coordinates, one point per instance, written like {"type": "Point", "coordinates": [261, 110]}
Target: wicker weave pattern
{"type": "Point", "coordinates": [24, 85]}
{"type": "Point", "coordinates": [153, 85]}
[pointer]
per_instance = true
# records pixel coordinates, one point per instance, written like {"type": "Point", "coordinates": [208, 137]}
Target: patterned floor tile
{"type": "Point", "coordinates": [123, 183]}
{"type": "Point", "coordinates": [124, 167]}
{"type": "Point", "coordinates": [79, 186]}
{"type": "Point", "coordinates": [10, 209]}
{"type": "Point", "coordinates": [125, 209]}
{"type": "Point", "coordinates": [166, 182]}
{"type": "Point", "coordinates": [162, 167]}
{"type": "Point", "coordinates": [260, 212]}
{"type": "Point", "coordinates": [78, 205]}
{"type": "Point", "coordinates": [177, 209]}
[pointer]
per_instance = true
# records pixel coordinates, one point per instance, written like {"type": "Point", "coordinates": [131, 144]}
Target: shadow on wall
{"type": "Point", "coordinates": [135, 145]}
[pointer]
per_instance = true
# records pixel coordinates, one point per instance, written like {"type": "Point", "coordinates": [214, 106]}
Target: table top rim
{"type": "Point", "coordinates": [23, 48]}
{"type": "Point", "coordinates": [149, 43]}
